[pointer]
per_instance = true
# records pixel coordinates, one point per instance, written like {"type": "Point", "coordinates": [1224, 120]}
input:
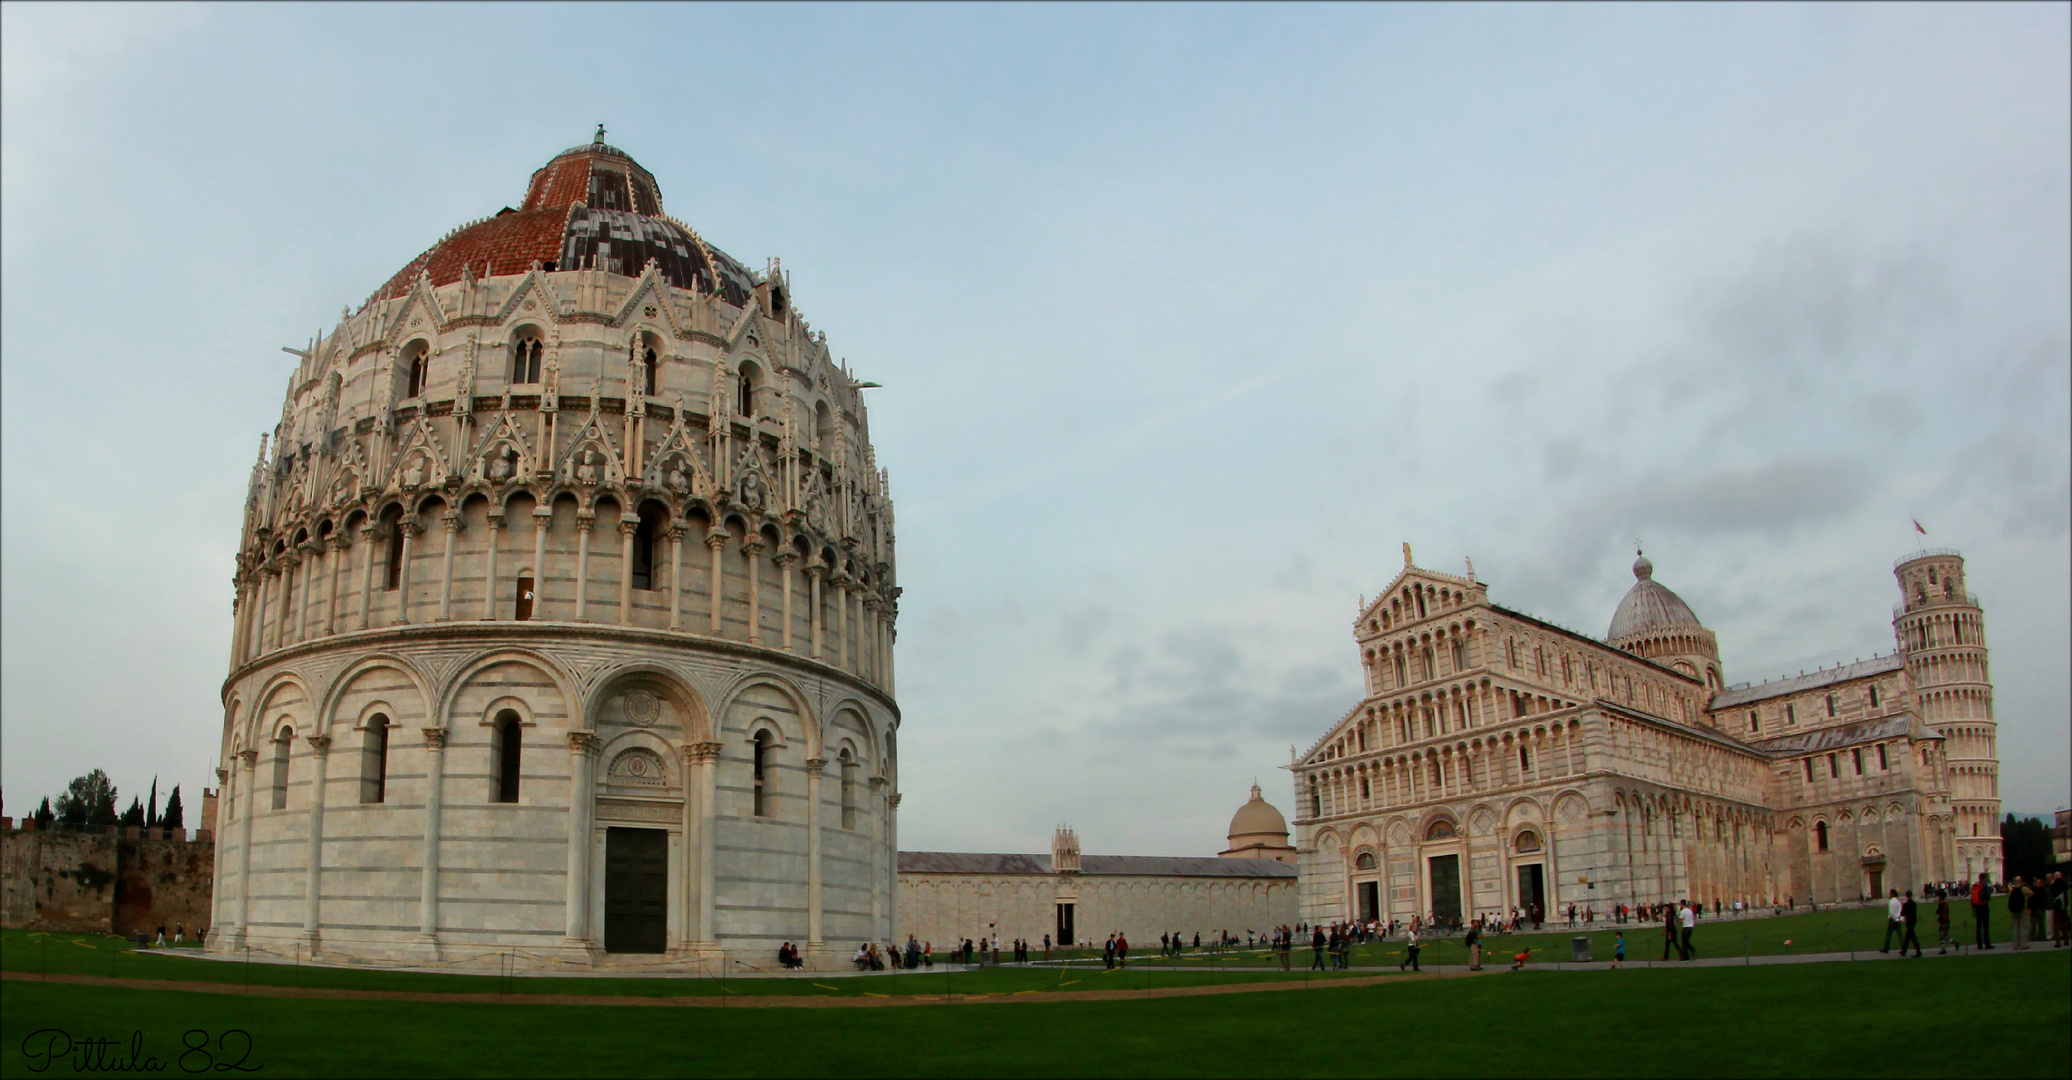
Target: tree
{"type": "Point", "coordinates": [2025, 845]}
{"type": "Point", "coordinates": [44, 814]}
{"type": "Point", "coordinates": [171, 818]}
{"type": "Point", "coordinates": [151, 810]}
{"type": "Point", "coordinates": [88, 800]}
{"type": "Point", "coordinates": [133, 816]}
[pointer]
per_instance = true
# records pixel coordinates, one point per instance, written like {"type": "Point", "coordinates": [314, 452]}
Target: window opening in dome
{"type": "Point", "coordinates": [760, 793]}
{"type": "Point", "coordinates": [647, 369]}
{"type": "Point", "coordinates": [509, 744]}
{"type": "Point", "coordinates": [418, 368]}
{"type": "Point", "coordinates": [392, 531]}
{"type": "Point", "coordinates": [646, 536]}
{"type": "Point", "coordinates": [848, 780]}
{"type": "Point", "coordinates": [525, 598]}
{"type": "Point", "coordinates": [282, 742]}
{"type": "Point", "coordinates": [744, 401]}
{"type": "Point", "coordinates": [374, 760]}
{"type": "Point", "coordinates": [525, 359]}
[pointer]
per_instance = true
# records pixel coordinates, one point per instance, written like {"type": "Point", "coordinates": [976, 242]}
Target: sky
{"type": "Point", "coordinates": [1187, 318]}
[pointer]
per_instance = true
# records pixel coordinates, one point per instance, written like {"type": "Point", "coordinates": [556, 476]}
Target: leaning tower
{"type": "Point", "coordinates": [564, 616]}
{"type": "Point", "coordinates": [1942, 633]}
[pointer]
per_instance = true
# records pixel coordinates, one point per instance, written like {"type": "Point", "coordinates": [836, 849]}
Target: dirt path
{"type": "Point", "coordinates": [732, 1001]}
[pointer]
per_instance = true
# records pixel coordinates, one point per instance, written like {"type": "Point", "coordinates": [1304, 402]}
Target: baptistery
{"type": "Point", "coordinates": [564, 616]}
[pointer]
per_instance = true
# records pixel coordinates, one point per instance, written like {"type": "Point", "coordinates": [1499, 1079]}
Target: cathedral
{"type": "Point", "coordinates": [1499, 761]}
{"type": "Point", "coordinates": [565, 610]}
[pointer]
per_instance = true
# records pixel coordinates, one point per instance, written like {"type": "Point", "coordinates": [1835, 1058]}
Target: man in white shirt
{"type": "Point", "coordinates": [1689, 917]}
{"type": "Point", "coordinates": [1895, 922]}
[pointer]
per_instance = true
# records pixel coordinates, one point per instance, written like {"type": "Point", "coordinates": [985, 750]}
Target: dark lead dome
{"type": "Point", "coordinates": [1649, 606]}
{"type": "Point", "coordinates": [591, 207]}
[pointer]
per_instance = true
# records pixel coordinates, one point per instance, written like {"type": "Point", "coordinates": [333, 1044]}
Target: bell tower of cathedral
{"type": "Point", "coordinates": [1942, 634]}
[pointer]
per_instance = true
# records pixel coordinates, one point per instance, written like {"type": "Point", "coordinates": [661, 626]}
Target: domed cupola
{"type": "Point", "coordinates": [1258, 831]}
{"type": "Point", "coordinates": [591, 208]}
{"type": "Point", "coordinates": [1654, 623]}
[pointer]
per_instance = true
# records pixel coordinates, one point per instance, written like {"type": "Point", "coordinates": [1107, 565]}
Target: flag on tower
{"type": "Point", "coordinates": [1918, 528]}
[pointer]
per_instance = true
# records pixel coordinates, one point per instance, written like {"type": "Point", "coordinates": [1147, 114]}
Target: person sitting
{"type": "Point", "coordinates": [862, 959]}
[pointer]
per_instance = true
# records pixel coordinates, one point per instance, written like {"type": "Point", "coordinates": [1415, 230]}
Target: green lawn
{"type": "Point", "coordinates": [1885, 1019]}
{"type": "Point", "coordinates": [110, 956]}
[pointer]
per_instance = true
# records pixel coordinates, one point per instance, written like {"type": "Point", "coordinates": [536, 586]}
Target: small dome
{"type": "Point", "coordinates": [1257, 818]}
{"type": "Point", "coordinates": [1649, 606]}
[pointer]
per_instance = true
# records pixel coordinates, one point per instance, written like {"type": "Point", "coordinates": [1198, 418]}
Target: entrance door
{"type": "Point", "coordinates": [1532, 889]}
{"type": "Point", "coordinates": [1877, 882]}
{"type": "Point", "coordinates": [636, 890]}
{"type": "Point", "coordinates": [1065, 929]}
{"type": "Point", "coordinates": [1446, 888]}
{"type": "Point", "coordinates": [1370, 901]}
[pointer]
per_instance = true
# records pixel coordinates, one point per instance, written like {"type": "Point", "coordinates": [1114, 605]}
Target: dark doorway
{"type": "Point", "coordinates": [636, 890]}
{"type": "Point", "coordinates": [1446, 888]}
{"type": "Point", "coordinates": [1370, 901]}
{"type": "Point", "coordinates": [1532, 889]}
{"type": "Point", "coordinates": [1877, 882]}
{"type": "Point", "coordinates": [1065, 929]}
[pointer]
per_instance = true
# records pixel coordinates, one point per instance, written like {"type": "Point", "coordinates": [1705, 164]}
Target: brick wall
{"type": "Point", "coordinates": [113, 880]}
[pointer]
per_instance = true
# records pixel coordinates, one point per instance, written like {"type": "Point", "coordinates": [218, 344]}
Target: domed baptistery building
{"type": "Point", "coordinates": [564, 613]}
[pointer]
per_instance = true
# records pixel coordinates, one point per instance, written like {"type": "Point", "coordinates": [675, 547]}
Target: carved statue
{"type": "Point", "coordinates": [500, 466]}
{"type": "Point", "coordinates": [591, 470]}
{"type": "Point", "coordinates": [677, 478]}
{"type": "Point", "coordinates": [415, 473]}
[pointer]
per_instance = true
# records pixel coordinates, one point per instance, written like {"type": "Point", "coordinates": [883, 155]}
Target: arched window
{"type": "Point", "coordinates": [282, 743]}
{"type": "Point", "coordinates": [1441, 829]}
{"type": "Point", "coordinates": [1364, 791]}
{"type": "Point", "coordinates": [1431, 670]}
{"type": "Point", "coordinates": [525, 598]}
{"type": "Point", "coordinates": [744, 401]}
{"type": "Point", "coordinates": [646, 538]}
{"type": "Point", "coordinates": [647, 372]}
{"type": "Point", "coordinates": [762, 786]}
{"type": "Point", "coordinates": [392, 530]}
{"type": "Point", "coordinates": [848, 778]}
{"type": "Point", "coordinates": [1402, 677]}
{"type": "Point", "coordinates": [374, 760]}
{"type": "Point", "coordinates": [1874, 696]}
{"type": "Point", "coordinates": [1420, 602]}
{"type": "Point", "coordinates": [1527, 841]}
{"type": "Point", "coordinates": [525, 358]}
{"type": "Point", "coordinates": [509, 741]}
{"type": "Point", "coordinates": [1460, 654]}
{"type": "Point", "coordinates": [1365, 861]}
{"type": "Point", "coordinates": [418, 366]}
{"type": "Point", "coordinates": [1820, 836]}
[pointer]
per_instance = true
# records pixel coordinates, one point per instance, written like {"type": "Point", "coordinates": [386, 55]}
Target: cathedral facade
{"type": "Point", "coordinates": [1499, 761]}
{"type": "Point", "coordinates": [565, 610]}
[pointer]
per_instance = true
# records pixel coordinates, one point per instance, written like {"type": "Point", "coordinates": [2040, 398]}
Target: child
{"type": "Point", "coordinates": [1619, 951]}
{"type": "Point", "coordinates": [1518, 961]}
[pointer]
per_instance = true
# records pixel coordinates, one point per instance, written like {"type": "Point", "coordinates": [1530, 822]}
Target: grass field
{"type": "Point", "coordinates": [1873, 1019]}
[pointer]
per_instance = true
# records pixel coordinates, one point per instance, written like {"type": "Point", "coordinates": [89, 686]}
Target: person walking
{"type": "Point", "coordinates": [1690, 923]}
{"type": "Point", "coordinates": [1982, 912]}
{"type": "Point", "coordinates": [1942, 922]}
{"type": "Point", "coordinates": [1474, 943]}
{"type": "Point", "coordinates": [2039, 899]}
{"type": "Point", "coordinates": [1122, 950]}
{"type": "Point", "coordinates": [1668, 933]}
{"type": "Point", "coordinates": [1317, 942]}
{"type": "Point", "coordinates": [1908, 913]}
{"type": "Point", "coordinates": [1108, 953]}
{"type": "Point", "coordinates": [1893, 925]}
{"type": "Point", "coordinates": [2018, 910]}
{"type": "Point", "coordinates": [1410, 947]}
{"type": "Point", "coordinates": [1619, 951]}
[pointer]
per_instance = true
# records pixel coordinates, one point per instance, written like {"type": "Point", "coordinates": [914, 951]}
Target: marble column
{"type": "Point", "coordinates": [320, 748]}
{"type": "Point", "coordinates": [880, 921]}
{"type": "Point", "coordinates": [585, 520]}
{"type": "Point", "coordinates": [542, 519]}
{"type": "Point", "coordinates": [687, 899]}
{"type": "Point", "coordinates": [815, 767]}
{"type": "Point", "coordinates": [628, 525]}
{"type": "Point", "coordinates": [410, 531]}
{"type": "Point", "coordinates": [451, 519]}
{"type": "Point", "coordinates": [369, 533]}
{"type": "Point", "coordinates": [814, 573]}
{"type": "Point", "coordinates": [708, 817]}
{"type": "Point", "coordinates": [496, 533]}
{"type": "Point", "coordinates": [434, 783]}
{"type": "Point", "coordinates": [892, 867]}
{"type": "Point", "coordinates": [306, 560]}
{"type": "Point", "coordinates": [341, 562]}
{"type": "Point", "coordinates": [714, 542]}
{"type": "Point", "coordinates": [784, 561]}
{"type": "Point", "coordinates": [267, 571]}
{"type": "Point", "coordinates": [248, 771]}
{"type": "Point", "coordinates": [676, 579]}
{"type": "Point", "coordinates": [840, 657]}
{"type": "Point", "coordinates": [752, 551]}
{"type": "Point", "coordinates": [582, 749]}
